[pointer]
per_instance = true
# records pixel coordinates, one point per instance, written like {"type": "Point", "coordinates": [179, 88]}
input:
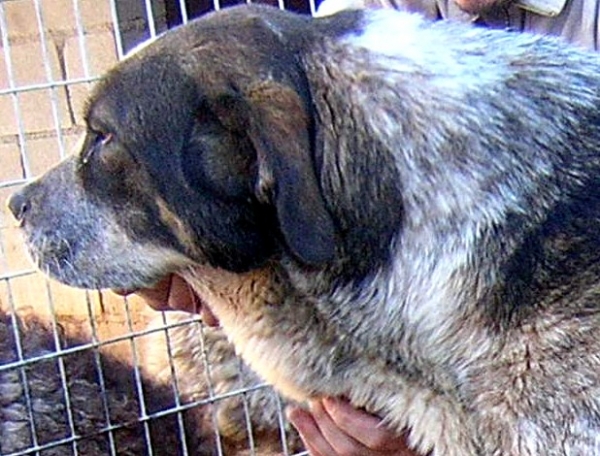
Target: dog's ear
{"type": "Point", "coordinates": [276, 121]}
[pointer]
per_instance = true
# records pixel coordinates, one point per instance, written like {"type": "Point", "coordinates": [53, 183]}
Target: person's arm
{"type": "Point", "coordinates": [333, 427]}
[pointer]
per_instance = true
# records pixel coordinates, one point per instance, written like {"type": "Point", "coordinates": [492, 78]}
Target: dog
{"type": "Point", "coordinates": [376, 207]}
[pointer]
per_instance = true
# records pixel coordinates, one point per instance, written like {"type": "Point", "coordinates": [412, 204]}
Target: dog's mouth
{"type": "Point", "coordinates": [174, 293]}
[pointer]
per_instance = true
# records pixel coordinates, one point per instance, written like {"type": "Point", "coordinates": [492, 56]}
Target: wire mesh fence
{"type": "Point", "coordinates": [88, 372]}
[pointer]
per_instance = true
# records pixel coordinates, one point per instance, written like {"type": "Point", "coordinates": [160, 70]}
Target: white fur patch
{"type": "Point", "coordinates": [406, 41]}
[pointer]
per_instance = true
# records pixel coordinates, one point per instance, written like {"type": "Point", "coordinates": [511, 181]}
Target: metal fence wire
{"type": "Point", "coordinates": [88, 372]}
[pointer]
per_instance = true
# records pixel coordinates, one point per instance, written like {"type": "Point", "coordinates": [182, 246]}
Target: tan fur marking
{"type": "Point", "coordinates": [179, 229]}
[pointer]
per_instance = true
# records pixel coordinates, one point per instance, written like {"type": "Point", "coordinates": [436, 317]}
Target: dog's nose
{"type": "Point", "coordinates": [18, 203]}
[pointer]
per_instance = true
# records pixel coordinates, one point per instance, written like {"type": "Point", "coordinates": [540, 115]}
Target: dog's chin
{"type": "Point", "coordinates": [96, 275]}
{"type": "Point", "coordinates": [118, 280]}
{"type": "Point", "coordinates": [123, 265]}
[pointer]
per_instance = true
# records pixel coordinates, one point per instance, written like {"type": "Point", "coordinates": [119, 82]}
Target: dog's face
{"type": "Point", "coordinates": [195, 153]}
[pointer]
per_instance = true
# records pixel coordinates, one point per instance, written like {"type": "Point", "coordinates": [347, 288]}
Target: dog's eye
{"type": "Point", "coordinates": [102, 139]}
{"type": "Point", "coordinates": [99, 139]}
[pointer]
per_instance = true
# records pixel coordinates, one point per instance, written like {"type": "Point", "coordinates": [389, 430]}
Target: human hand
{"type": "Point", "coordinates": [174, 293]}
{"type": "Point", "coordinates": [334, 427]}
{"type": "Point", "coordinates": [479, 6]}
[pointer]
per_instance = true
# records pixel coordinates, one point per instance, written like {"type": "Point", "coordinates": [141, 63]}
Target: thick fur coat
{"type": "Point", "coordinates": [399, 212]}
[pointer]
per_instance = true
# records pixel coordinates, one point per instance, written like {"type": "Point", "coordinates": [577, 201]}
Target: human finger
{"type": "Point", "coordinates": [368, 430]}
{"type": "Point", "coordinates": [312, 437]}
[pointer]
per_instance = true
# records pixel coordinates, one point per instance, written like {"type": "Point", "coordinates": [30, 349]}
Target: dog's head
{"type": "Point", "coordinates": [198, 149]}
